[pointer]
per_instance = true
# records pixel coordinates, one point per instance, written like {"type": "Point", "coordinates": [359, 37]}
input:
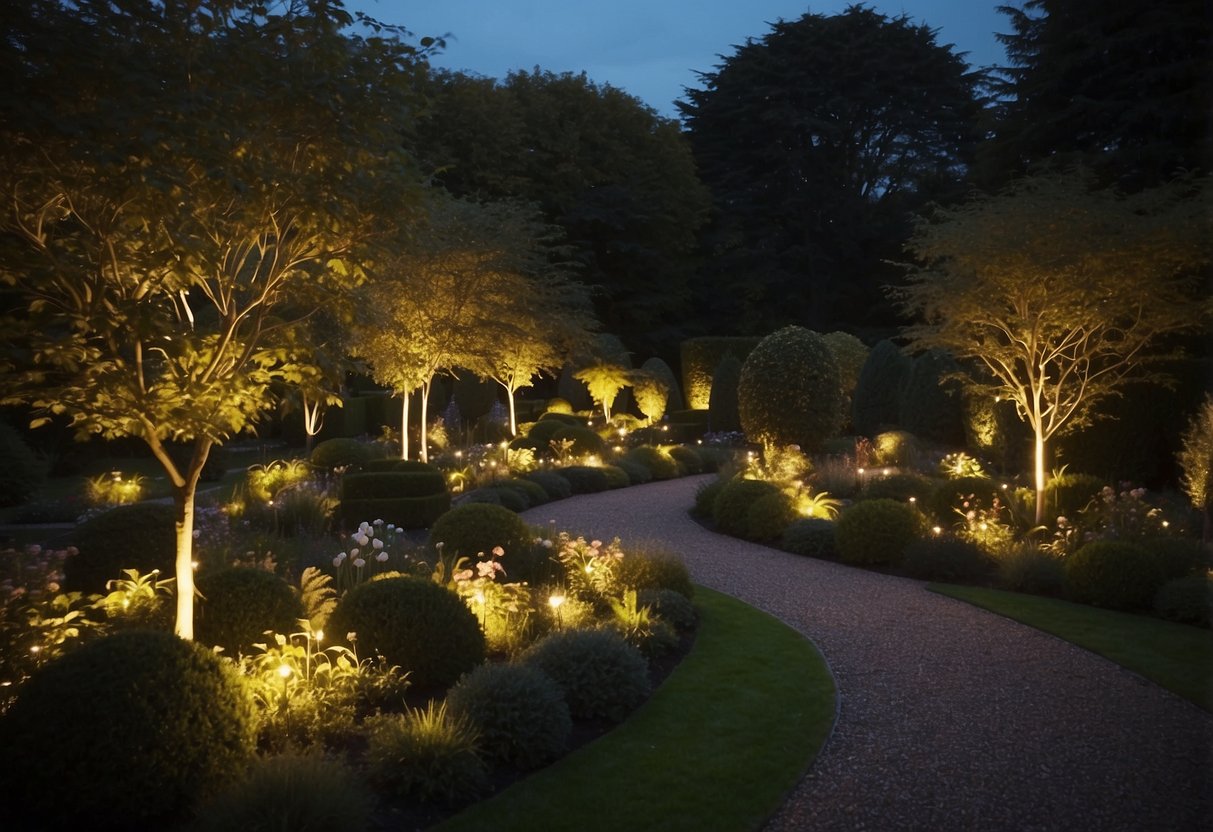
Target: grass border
{"type": "Point", "coordinates": [718, 746]}
{"type": "Point", "coordinates": [1178, 657]}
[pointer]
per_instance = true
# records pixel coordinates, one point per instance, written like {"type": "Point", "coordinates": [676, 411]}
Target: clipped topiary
{"type": "Point", "coordinates": [556, 486]}
{"type": "Point", "coordinates": [946, 559]}
{"type": "Point", "coordinates": [139, 536]}
{"type": "Point", "coordinates": [638, 474]}
{"type": "Point", "coordinates": [139, 707]}
{"type": "Point", "coordinates": [584, 479]}
{"type": "Point", "coordinates": [931, 404]}
{"type": "Point", "coordinates": [732, 506]}
{"type": "Point", "coordinates": [1187, 600]}
{"type": "Point", "coordinates": [616, 476]}
{"type": "Point", "coordinates": [660, 370]}
{"type": "Point", "coordinates": [768, 516]}
{"type": "Point", "coordinates": [659, 462]}
{"type": "Point", "coordinates": [507, 498]}
{"type": "Point", "coordinates": [876, 532]}
{"type": "Point", "coordinates": [291, 791]}
{"type": "Point", "coordinates": [688, 459]}
{"type": "Point", "coordinates": [21, 474]}
{"type": "Point", "coordinates": [240, 603]}
{"type": "Point", "coordinates": [876, 404]}
{"type": "Point", "coordinates": [415, 624]}
{"type": "Point", "coordinates": [473, 528]}
{"type": "Point", "coordinates": [647, 566]}
{"type": "Point", "coordinates": [518, 711]}
{"type": "Point", "coordinates": [810, 536]}
{"type": "Point", "coordinates": [723, 412]}
{"type": "Point", "coordinates": [601, 676]}
{"type": "Point", "coordinates": [340, 452]}
{"type": "Point", "coordinates": [585, 441]}
{"type": "Point", "coordinates": [1113, 574]}
{"type": "Point", "coordinates": [533, 491]}
{"type": "Point", "coordinates": [790, 392]}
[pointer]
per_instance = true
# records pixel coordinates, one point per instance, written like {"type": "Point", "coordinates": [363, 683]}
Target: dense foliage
{"type": "Point", "coordinates": [790, 392]}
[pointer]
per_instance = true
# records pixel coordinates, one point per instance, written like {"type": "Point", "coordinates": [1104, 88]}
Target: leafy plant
{"type": "Point", "coordinates": [601, 675]}
{"type": "Point", "coordinates": [518, 711]}
{"type": "Point", "coordinates": [140, 600]}
{"type": "Point", "coordinates": [639, 627]}
{"type": "Point", "coordinates": [114, 489]}
{"type": "Point", "coordinates": [876, 532]}
{"type": "Point", "coordinates": [428, 755]}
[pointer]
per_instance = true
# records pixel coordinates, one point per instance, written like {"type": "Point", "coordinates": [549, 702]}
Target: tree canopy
{"type": "Point", "coordinates": [816, 140]}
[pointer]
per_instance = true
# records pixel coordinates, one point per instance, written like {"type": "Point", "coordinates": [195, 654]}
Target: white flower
{"type": "Point", "coordinates": [547, 544]}
{"type": "Point", "coordinates": [359, 562]}
{"type": "Point", "coordinates": [439, 546]}
{"type": "Point", "coordinates": [361, 539]}
{"type": "Point", "coordinates": [340, 557]}
{"type": "Point", "coordinates": [377, 543]}
{"type": "Point", "coordinates": [353, 553]}
{"type": "Point", "coordinates": [337, 561]}
{"type": "Point", "coordinates": [379, 522]}
{"type": "Point", "coordinates": [381, 557]}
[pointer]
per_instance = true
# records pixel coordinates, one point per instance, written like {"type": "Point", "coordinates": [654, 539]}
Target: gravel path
{"type": "Point", "coordinates": [950, 718]}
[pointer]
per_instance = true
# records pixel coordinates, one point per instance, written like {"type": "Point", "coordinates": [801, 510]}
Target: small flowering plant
{"type": "Point", "coordinates": [988, 527]}
{"type": "Point", "coordinates": [370, 554]}
{"type": "Point", "coordinates": [1123, 515]}
{"type": "Point", "coordinates": [588, 567]}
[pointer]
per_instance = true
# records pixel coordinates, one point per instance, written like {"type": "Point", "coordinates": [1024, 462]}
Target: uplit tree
{"type": "Point", "coordinates": [604, 380]}
{"type": "Point", "coordinates": [184, 184]}
{"type": "Point", "coordinates": [1196, 460]}
{"type": "Point", "coordinates": [1060, 294]}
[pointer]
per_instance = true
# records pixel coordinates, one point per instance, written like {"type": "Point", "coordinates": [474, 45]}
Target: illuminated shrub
{"type": "Point", "coordinates": [562, 418]}
{"type": "Point", "coordinates": [601, 676]}
{"type": "Point", "coordinates": [769, 515]}
{"type": "Point", "coordinates": [670, 606]}
{"type": "Point", "coordinates": [584, 479]}
{"type": "Point", "coordinates": [723, 413]}
{"type": "Point", "coordinates": [425, 629]}
{"type": "Point", "coordinates": [812, 537]}
{"type": "Point", "coordinates": [1188, 600]}
{"type": "Point", "coordinates": [1114, 574]}
{"type": "Point", "coordinates": [658, 369]}
{"type": "Point", "coordinates": [20, 472]}
{"type": "Point", "coordinates": [141, 536]}
{"type": "Point", "coordinates": [138, 707]}
{"type": "Point", "coordinates": [652, 567]}
{"type": "Point", "coordinates": [790, 392]}
{"type": "Point", "coordinates": [895, 447]}
{"type": "Point", "coordinates": [240, 603]}
{"type": "Point", "coordinates": [556, 486]}
{"type": "Point", "coordinates": [688, 459]}
{"type": "Point", "coordinates": [425, 755]}
{"type": "Point", "coordinates": [340, 452]}
{"type": "Point", "coordinates": [993, 431]}
{"type": "Point", "coordinates": [291, 791]}
{"type": "Point", "coordinates": [946, 559]}
{"type": "Point", "coordinates": [651, 394]}
{"type": "Point", "coordinates": [701, 356]}
{"type": "Point", "coordinates": [732, 506]}
{"type": "Point", "coordinates": [585, 441]}
{"type": "Point", "coordinates": [617, 477]}
{"type": "Point", "coordinates": [705, 498]}
{"type": "Point", "coordinates": [876, 532]}
{"type": "Point", "coordinates": [477, 527]}
{"type": "Point", "coordinates": [876, 404]}
{"type": "Point", "coordinates": [518, 711]}
{"type": "Point", "coordinates": [559, 405]}
{"type": "Point", "coordinates": [661, 464]}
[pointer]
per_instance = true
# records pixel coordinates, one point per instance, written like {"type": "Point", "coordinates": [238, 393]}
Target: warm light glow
{"type": "Point", "coordinates": [320, 635]}
{"type": "Point", "coordinates": [913, 500]}
{"type": "Point", "coordinates": [886, 472]}
{"type": "Point", "coordinates": [936, 529]}
{"type": "Point", "coordinates": [555, 601]}
{"type": "Point", "coordinates": [284, 670]}
{"type": "Point", "coordinates": [861, 470]}
{"type": "Point", "coordinates": [479, 597]}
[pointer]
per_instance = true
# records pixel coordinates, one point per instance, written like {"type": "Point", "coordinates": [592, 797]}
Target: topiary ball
{"type": "Point", "coordinates": [876, 532]}
{"type": "Point", "coordinates": [790, 392]}
{"type": "Point", "coordinates": [601, 675]}
{"type": "Point", "coordinates": [585, 479]}
{"type": "Point", "coordinates": [556, 486]}
{"type": "Point", "coordinates": [732, 506]}
{"type": "Point", "coordinates": [1113, 574]}
{"type": "Point", "coordinates": [477, 527]}
{"type": "Point", "coordinates": [661, 464]}
{"type": "Point", "coordinates": [585, 440]}
{"type": "Point", "coordinates": [768, 516]}
{"type": "Point", "coordinates": [140, 536]}
{"type": "Point", "coordinates": [338, 453]}
{"type": "Point", "coordinates": [518, 710]}
{"type": "Point", "coordinates": [638, 474]}
{"type": "Point", "coordinates": [425, 629]}
{"type": "Point", "coordinates": [688, 459]}
{"type": "Point", "coordinates": [240, 603]}
{"type": "Point", "coordinates": [138, 707]}
{"type": "Point", "coordinates": [810, 536]}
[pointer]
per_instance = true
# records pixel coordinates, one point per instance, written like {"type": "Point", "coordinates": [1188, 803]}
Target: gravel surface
{"type": "Point", "coordinates": [950, 717]}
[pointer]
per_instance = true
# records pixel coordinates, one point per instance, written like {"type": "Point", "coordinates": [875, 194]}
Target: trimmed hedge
{"type": "Point", "coordinates": [601, 676]}
{"type": "Point", "coordinates": [688, 459]}
{"type": "Point", "coordinates": [1113, 574]}
{"type": "Point", "coordinates": [336, 453]}
{"type": "Point", "coordinates": [660, 463]}
{"type": "Point", "coordinates": [700, 357]}
{"type": "Point", "coordinates": [406, 512]}
{"type": "Point", "coordinates": [810, 536]}
{"type": "Point", "coordinates": [731, 508]}
{"type": "Point", "coordinates": [556, 486]}
{"type": "Point", "coordinates": [518, 710]}
{"type": "Point", "coordinates": [723, 412]}
{"type": "Point", "coordinates": [584, 479]}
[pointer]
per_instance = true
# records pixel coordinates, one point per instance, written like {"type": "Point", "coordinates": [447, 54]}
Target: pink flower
{"type": "Point", "coordinates": [359, 562]}
{"type": "Point", "coordinates": [498, 551]}
{"type": "Point", "coordinates": [595, 544]}
{"type": "Point", "coordinates": [381, 557]}
{"type": "Point", "coordinates": [485, 568]}
{"type": "Point", "coordinates": [463, 575]}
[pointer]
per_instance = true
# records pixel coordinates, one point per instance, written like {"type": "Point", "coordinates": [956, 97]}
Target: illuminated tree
{"type": "Point", "coordinates": [1058, 293]}
{"type": "Point", "coordinates": [1196, 460]}
{"type": "Point", "coordinates": [604, 380]}
{"type": "Point", "coordinates": [652, 393]}
{"type": "Point", "coordinates": [184, 184]}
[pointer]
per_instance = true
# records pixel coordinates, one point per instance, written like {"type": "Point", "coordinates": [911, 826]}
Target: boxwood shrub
{"type": "Point", "coordinates": [661, 464]}
{"type": "Point", "coordinates": [584, 479]}
{"type": "Point", "coordinates": [790, 392]}
{"type": "Point", "coordinates": [601, 676]}
{"type": "Point", "coordinates": [732, 505]}
{"type": "Point", "coordinates": [810, 536]}
{"type": "Point", "coordinates": [518, 710]}
{"type": "Point", "coordinates": [946, 559]}
{"type": "Point", "coordinates": [638, 473]}
{"type": "Point", "coordinates": [768, 516]}
{"type": "Point", "coordinates": [645, 566]}
{"type": "Point", "coordinates": [239, 603]}
{"type": "Point", "coordinates": [406, 512]}
{"type": "Point", "coordinates": [342, 451]}
{"type": "Point", "coordinates": [1113, 574]}
{"type": "Point", "coordinates": [556, 486]}
{"type": "Point", "coordinates": [876, 532]}
{"type": "Point", "coordinates": [139, 536]}
{"type": "Point", "coordinates": [688, 459]}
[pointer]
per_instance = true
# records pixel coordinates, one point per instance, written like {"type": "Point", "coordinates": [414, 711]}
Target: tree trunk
{"type": "Point", "coordinates": [509, 395]}
{"type": "Point", "coordinates": [424, 454]}
{"type": "Point", "coordinates": [312, 422]}
{"type": "Point", "coordinates": [404, 427]}
{"type": "Point", "coordinates": [1040, 476]}
{"type": "Point", "coordinates": [183, 500]}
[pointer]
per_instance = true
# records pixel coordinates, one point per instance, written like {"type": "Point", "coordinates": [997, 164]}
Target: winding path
{"type": "Point", "coordinates": [950, 717]}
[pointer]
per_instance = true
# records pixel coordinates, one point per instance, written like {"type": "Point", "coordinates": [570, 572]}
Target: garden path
{"type": "Point", "coordinates": [950, 717]}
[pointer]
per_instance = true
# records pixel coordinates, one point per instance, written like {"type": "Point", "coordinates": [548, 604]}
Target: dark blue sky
{"type": "Point", "coordinates": [651, 48]}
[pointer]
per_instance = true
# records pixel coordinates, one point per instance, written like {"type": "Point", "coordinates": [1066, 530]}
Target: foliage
{"type": "Point", "coordinates": [769, 515]}
{"type": "Point", "coordinates": [139, 536]}
{"type": "Point", "coordinates": [650, 566]}
{"type": "Point", "coordinates": [317, 596]}
{"type": "Point", "coordinates": [479, 527]}
{"type": "Point", "coordinates": [637, 473]}
{"type": "Point", "coordinates": [876, 532]}
{"type": "Point", "coordinates": [652, 392]}
{"type": "Point", "coordinates": [790, 392]}
{"type": "Point", "coordinates": [556, 486]}
{"type": "Point", "coordinates": [898, 487]}
{"type": "Point", "coordinates": [1196, 461]}
{"type": "Point", "coordinates": [810, 536]}
{"type": "Point", "coordinates": [532, 491]}
{"type": "Point", "coordinates": [946, 559]}
{"type": "Point", "coordinates": [993, 430]}
{"type": "Point", "coordinates": [107, 490]}
{"type": "Point", "coordinates": [341, 453]}
{"type": "Point", "coordinates": [688, 459]}
{"type": "Point", "coordinates": [21, 474]}
{"type": "Point", "coordinates": [700, 358]}
{"type": "Point", "coordinates": [948, 497]}
{"type": "Point", "coordinates": [960, 464]}
{"type": "Point", "coordinates": [601, 676]}
{"type": "Point", "coordinates": [639, 626]}
{"type": "Point", "coordinates": [876, 404]}
{"type": "Point", "coordinates": [850, 354]}
{"type": "Point", "coordinates": [584, 441]}
{"type": "Point", "coordinates": [723, 407]}
{"type": "Point", "coordinates": [1027, 568]}
{"type": "Point", "coordinates": [429, 755]}
{"type": "Point", "coordinates": [669, 606]}
{"type": "Point", "coordinates": [991, 527]}
{"type": "Point", "coordinates": [1060, 314]}
{"type": "Point", "coordinates": [1068, 494]}
{"type": "Point", "coordinates": [732, 505]}
{"type": "Point", "coordinates": [660, 370]}
{"type": "Point", "coordinates": [604, 381]}
{"type": "Point", "coordinates": [705, 498]}
{"type": "Point", "coordinates": [138, 601]}
{"type": "Point", "coordinates": [169, 710]}
{"type": "Point", "coordinates": [518, 711]}
{"type": "Point", "coordinates": [291, 791]}
{"type": "Point", "coordinates": [1188, 600]}
{"type": "Point", "coordinates": [584, 479]}
{"type": "Point", "coordinates": [660, 463]}
{"type": "Point", "coordinates": [931, 403]}
{"type": "Point", "coordinates": [895, 447]}
{"type": "Point", "coordinates": [264, 482]}
{"type": "Point", "coordinates": [815, 140]}
{"type": "Point", "coordinates": [1113, 574]}
{"type": "Point", "coordinates": [589, 567]}
{"type": "Point", "coordinates": [412, 622]}
{"type": "Point", "coordinates": [240, 604]}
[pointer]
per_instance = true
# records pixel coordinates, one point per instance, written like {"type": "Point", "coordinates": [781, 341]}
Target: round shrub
{"type": "Point", "coordinates": [876, 403]}
{"type": "Point", "coordinates": [876, 532]}
{"type": "Point", "coordinates": [533, 491]}
{"type": "Point", "coordinates": [1025, 568]}
{"type": "Point", "coordinates": [240, 604]}
{"type": "Point", "coordinates": [20, 472]}
{"type": "Point", "coordinates": [337, 453]}
{"type": "Point", "coordinates": [584, 479]}
{"type": "Point", "coordinates": [810, 536]}
{"type": "Point", "coordinates": [1187, 600]}
{"type": "Point", "coordinates": [507, 498]}
{"type": "Point", "coordinates": [585, 440]}
{"type": "Point", "coordinates": [949, 495]}
{"type": "Point", "coordinates": [518, 710]}
{"type": "Point", "coordinates": [705, 498]}
{"type": "Point", "coordinates": [946, 559]}
{"type": "Point", "coordinates": [670, 606]}
{"type": "Point", "coordinates": [415, 624]}
{"type": "Point", "coordinates": [556, 486]}
{"type": "Point", "coordinates": [138, 707]}
{"type": "Point", "coordinates": [291, 791]}
{"type": "Point", "coordinates": [653, 567]}
{"type": "Point", "coordinates": [895, 447]}
{"type": "Point", "coordinates": [601, 675]}
{"type": "Point", "coordinates": [472, 528]}
{"type": "Point", "coordinates": [898, 487]}
{"type": "Point", "coordinates": [1177, 557]}
{"type": "Point", "coordinates": [638, 474]}
{"type": "Point", "coordinates": [768, 516]}
{"type": "Point", "coordinates": [563, 418]}
{"type": "Point", "coordinates": [790, 392]}
{"type": "Point", "coordinates": [732, 507]}
{"type": "Point", "coordinates": [425, 755]}
{"type": "Point", "coordinates": [559, 405]}
{"type": "Point", "coordinates": [1113, 574]}
{"type": "Point", "coordinates": [687, 458]}
{"type": "Point", "coordinates": [616, 476]}
{"type": "Point", "coordinates": [663, 466]}
{"type": "Point", "coordinates": [139, 536]}
{"type": "Point", "coordinates": [723, 407]}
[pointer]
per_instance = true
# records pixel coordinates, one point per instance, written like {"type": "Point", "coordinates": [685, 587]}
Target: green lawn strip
{"type": "Point", "coordinates": [718, 746]}
{"type": "Point", "coordinates": [1178, 657]}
